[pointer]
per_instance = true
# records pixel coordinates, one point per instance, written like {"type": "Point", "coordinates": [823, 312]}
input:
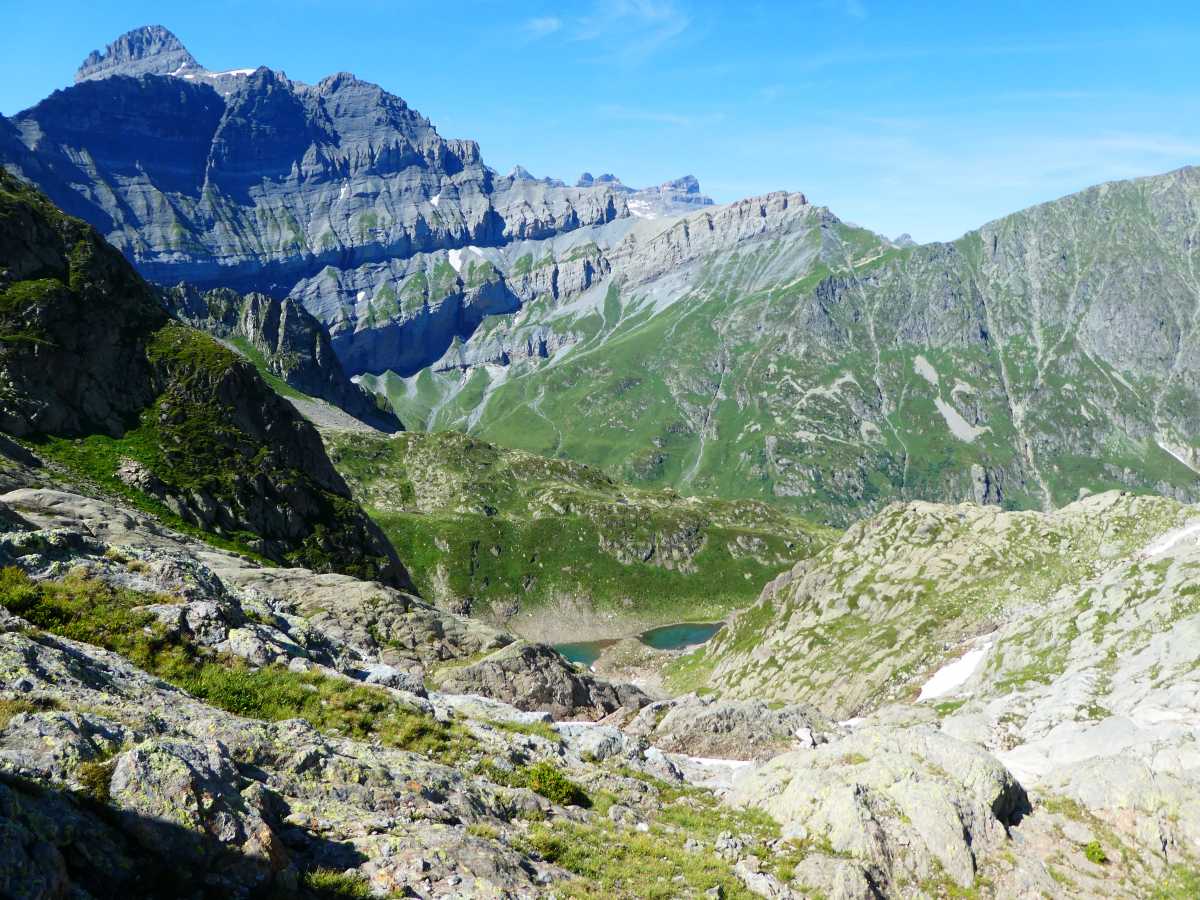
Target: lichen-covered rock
{"type": "Point", "coordinates": [906, 803]}
{"type": "Point", "coordinates": [194, 786]}
{"type": "Point", "coordinates": [263, 614]}
{"type": "Point", "coordinates": [732, 729]}
{"type": "Point", "coordinates": [53, 744]}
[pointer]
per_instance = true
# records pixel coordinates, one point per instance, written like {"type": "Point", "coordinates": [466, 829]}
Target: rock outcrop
{"type": "Point", "coordinates": [1051, 650]}
{"type": "Point", "coordinates": [535, 677]}
{"type": "Point", "coordinates": [729, 729]}
{"type": "Point", "coordinates": [293, 345]}
{"type": "Point", "coordinates": [183, 421]}
{"type": "Point", "coordinates": [909, 805]}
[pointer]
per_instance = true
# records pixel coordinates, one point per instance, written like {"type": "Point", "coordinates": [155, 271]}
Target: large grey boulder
{"type": "Point", "coordinates": [734, 729]}
{"type": "Point", "coordinates": [905, 803]}
{"type": "Point", "coordinates": [195, 787]}
{"type": "Point", "coordinates": [536, 677]}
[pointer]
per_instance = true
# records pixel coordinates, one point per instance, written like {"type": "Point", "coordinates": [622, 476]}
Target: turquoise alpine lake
{"type": "Point", "coordinates": [583, 652]}
{"type": "Point", "coordinates": [676, 637]}
{"type": "Point", "coordinates": [666, 637]}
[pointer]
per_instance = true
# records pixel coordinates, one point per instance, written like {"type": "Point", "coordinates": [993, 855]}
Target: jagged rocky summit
{"type": "Point", "coordinates": [250, 180]}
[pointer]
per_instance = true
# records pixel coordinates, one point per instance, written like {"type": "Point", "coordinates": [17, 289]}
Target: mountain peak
{"type": "Point", "coordinates": [149, 50]}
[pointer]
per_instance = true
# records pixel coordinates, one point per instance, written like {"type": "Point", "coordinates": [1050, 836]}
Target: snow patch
{"type": "Point", "coordinates": [702, 771]}
{"type": "Point", "coordinates": [959, 427]}
{"type": "Point", "coordinates": [642, 209]}
{"type": "Point", "coordinates": [1170, 539]}
{"type": "Point", "coordinates": [435, 199]}
{"type": "Point", "coordinates": [1179, 456]}
{"type": "Point", "coordinates": [240, 72]}
{"type": "Point", "coordinates": [362, 295]}
{"type": "Point", "coordinates": [953, 675]}
{"type": "Point", "coordinates": [456, 260]}
{"type": "Point", "coordinates": [925, 369]}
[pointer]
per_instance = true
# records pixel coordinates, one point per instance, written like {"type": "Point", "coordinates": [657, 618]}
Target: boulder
{"type": "Point", "coordinates": [906, 803]}
{"type": "Point", "coordinates": [536, 677]}
{"type": "Point", "coordinates": [734, 729]}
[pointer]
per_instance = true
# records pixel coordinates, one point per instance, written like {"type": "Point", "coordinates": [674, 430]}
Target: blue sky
{"type": "Point", "coordinates": [930, 118]}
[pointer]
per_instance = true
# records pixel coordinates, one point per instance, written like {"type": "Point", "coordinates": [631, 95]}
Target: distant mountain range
{"type": "Point", "coordinates": [761, 349]}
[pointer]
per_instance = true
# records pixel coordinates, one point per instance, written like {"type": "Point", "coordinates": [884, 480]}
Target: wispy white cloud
{"type": "Point", "coordinates": [936, 181]}
{"type": "Point", "coordinates": [540, 26]}
{"type": "Point", "coordinates": [661, 117]}
{"type": "Point", "coordinates": [771, 92]}
{"type": "Point", "coordinates": [855, 9]}
{"type": "Point", "coordinates": [629, 30]}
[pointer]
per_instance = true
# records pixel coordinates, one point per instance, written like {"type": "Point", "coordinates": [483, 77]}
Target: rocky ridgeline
{"type": "Point", "coordinates": [248, 179]}
{"type": "Point", "coordinates": [789, 354]}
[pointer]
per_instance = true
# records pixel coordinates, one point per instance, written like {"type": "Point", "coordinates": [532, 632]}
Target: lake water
{"type": "Point", "coordinates": [676, 637]}
{"type": "Point", "coordinates": [583, 652]}
{"type": "Point", "coordinates": [667, 637]}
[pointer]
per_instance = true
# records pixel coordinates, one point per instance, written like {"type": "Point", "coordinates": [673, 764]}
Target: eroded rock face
{"type": "Point", "coordinates": [294, 344]}
{"type": "Point", "coordinates": [534, 676]}
{"type": "Point", "coordinates": [193, 785]}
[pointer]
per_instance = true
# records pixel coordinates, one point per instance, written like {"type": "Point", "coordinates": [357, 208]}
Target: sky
{"type": "Point", "coordinates": [929, 118]}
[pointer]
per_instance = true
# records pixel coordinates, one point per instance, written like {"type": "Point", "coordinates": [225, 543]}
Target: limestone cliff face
{"type": "Point", "coordinates": [332, 193]}
{"type": "Point", "coordinates": [249, 178]}
{"type": "Point", "coordinates": [786, 353]}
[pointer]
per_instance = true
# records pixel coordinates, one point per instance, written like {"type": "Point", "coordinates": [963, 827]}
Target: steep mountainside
{"type": "Point", "coordinates": [556, 550]}
{"type": "Point", "coordinates": [764, 349]}
{"type": "Point", "coordinates": [767, 349]}
{"type": "Point", "coordinates": [247, 179]}
{"type": "Point", "coordinates": [107, 383]}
